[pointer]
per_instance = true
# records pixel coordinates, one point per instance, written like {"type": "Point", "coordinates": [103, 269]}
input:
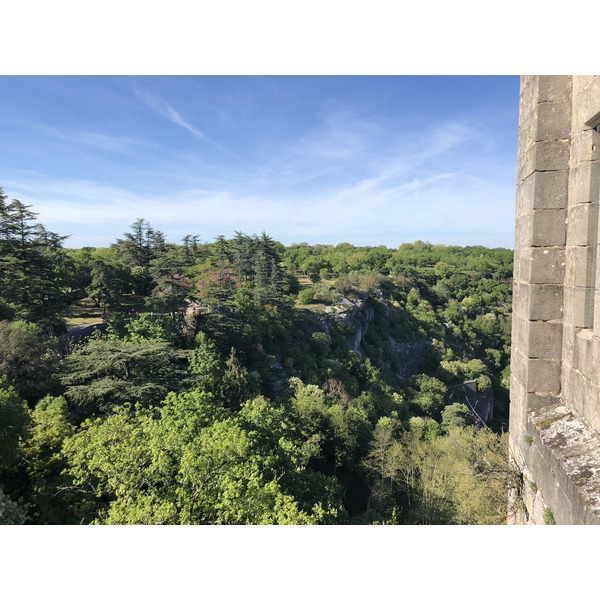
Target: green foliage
{"type": "Point", "coordinates": [313, 266]}
{"type": "Point", "coordinates": [104, 287]}
{"type": "Point", "coordinates": [27, 359]}
{"type": "Point", "coordinates": [105, 373]}
{"type": "Point", "coordinates": [183, 436]}
{"type": "Point", "coordinates": [148, 327]}
{"type": "Point", "coordinates": [430, 395]}
{"type": "Point", "coordinates": [34, 270]}
{"type": "Point", "coordinates": [140, 245]}
{"type": "Point", "coordinates": [338, 431]}
{"type": "Point", "coordinates": [11, 512]}
{"type": "Point", "coordinates": [206, 363]}
{"type": "Point", "coordinates": [14, 418]}
{"type": "Point", "coordinates": [147, 470]}
{"type": "Point", "coordinates": [459, 478]}
{"type": "Point", "coordinates": [238, 385]}
{"type": "Point", "coordinates": [456, 415]}
{"type": "Point", "coordinates": [41, 450]}
{"type": "Point", "coordinates": [549, 517]}
{"type": "Point", "coordinates": [141, 280]}
{"type": "Point", "coordinates": [306, 296]}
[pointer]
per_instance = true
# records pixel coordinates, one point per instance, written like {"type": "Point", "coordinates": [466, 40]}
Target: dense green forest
{"type": "Point", "coordinates": [239, 381]}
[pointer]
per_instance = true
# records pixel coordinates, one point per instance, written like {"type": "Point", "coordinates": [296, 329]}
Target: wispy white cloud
{"type": "Point", "coordinates": [338, 143]}
{"type": "Point", "coordinates": [112, 143]}
{"type": "Point", "coordinates": [162, 107]}
{"type": "Point", "coordinates": [92, 139]}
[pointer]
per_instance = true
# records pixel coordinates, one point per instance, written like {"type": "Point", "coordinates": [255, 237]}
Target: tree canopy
{"type": "Point", "coordinates": [240, 381]}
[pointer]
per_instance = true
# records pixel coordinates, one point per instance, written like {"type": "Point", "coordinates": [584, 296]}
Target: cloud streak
{"type": "Point", "coordinates": [163, 108]}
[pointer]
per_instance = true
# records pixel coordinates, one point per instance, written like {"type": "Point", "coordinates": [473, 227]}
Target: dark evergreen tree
{"type": "Point", "coordinates": [243, 259]}
{"type": "Point", "coordinates": [104, 288]}
{"type": "Point", "coordinates": [268, 276]}
{"type": "Point", "coordinates": [33, 275]}
{"type": "Point", "coordinates": [141, 245]}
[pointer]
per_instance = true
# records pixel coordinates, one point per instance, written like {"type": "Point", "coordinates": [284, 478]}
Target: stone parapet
{"type": "Point", "coordinates": [563, 455]}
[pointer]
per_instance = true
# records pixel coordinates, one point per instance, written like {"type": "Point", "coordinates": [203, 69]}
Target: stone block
{"type": "Point", "coordinates": [523, 231]}
{"type": "Point", "coordinates": [526, 130]}
{"type": "Point", "coordinates": [585, 146]}
{"type": "Point", "coordinates": [520, 302]}
{"type": "Point", "coordinates": [564, 460]}
{"type": "Point", "coordinates": [518, 366]}
{"type": "Point", "coordinates": [544, 339]}
{"type": "Point", "coordinates": [596, 311]}
{"type": "Point", "coordinates": [582, 224]}
{"type": "Point", "coordinates": [518, 404]}
{"type": "Point", "coordinates": [526, 156]}
{"type": "Point", "coordinates": [525, 83]}
{"type": "Point", "coordinates": [572, 389]}
{"type": "Point", "coordinates": [554, 88]}
{"type": "Point", "coordinates": [520, 328]}
{"type": "Point", "coordinates": [568, 344]}
{"type": "Point", "coordinates": [517, 274]}
{"type": "Point", "coordinates": [553, 121]}
{"type": "Point", "coordinates": [545, 302]}
{"type": "Point", "coordinates": [524, 196]}
{"type": "Point", "coordinates": [582, 348]}
{"type": "Point", "coordinates": [543, 376]}
{"type": "Point", "coordinates": [580, 83]}
{"type": "Point", "coordinates": [591, 404]}
{"type": "Point", "coordinates": [550, 156]}
{"type": "Point", "coordinates": [550, 189]}
{"type": "Point", "coordinates": [587, 354]}
{"type": "Point", "coordinates": [579, 266]}
{"type": "Point", "coordinates": [578, 307]}
{"type": "Point", "coordinates": [549, 227]}
{"type": "Point", "coordinates": [543, 265]}
{"type": "Point", "coordinates": [586, 96]}
{"type": "Point", "coordinates": [591, 368]}
{"type": "Point", "coordinates": [584, 183]}
{"type": "Point", "coordinates": [536, 401]}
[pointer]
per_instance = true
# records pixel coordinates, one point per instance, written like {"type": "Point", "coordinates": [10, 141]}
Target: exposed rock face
{"type": "Point", "coordinates": [410, 355]}
{"type": "Point", "coordinates": [76, 333]}
{"type": "Point", "coordinates": [358, 315]}
{"type": "Point", "coordinates": [355, 317]}
{"type": "Point", "coordinates": [278, 383]}
{"type": "Point", "coordinates": [480, 403]}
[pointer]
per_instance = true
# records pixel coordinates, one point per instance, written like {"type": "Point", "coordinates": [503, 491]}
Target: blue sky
{"type": "Point", "coordinates": [368, 160]}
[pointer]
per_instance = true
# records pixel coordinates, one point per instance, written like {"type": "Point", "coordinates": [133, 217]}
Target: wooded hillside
{"type": "Point", "coordinates": [242, 381]}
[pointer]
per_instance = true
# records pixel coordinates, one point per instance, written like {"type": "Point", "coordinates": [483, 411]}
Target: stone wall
{"type": "Point", "coordinates": [555, 401]}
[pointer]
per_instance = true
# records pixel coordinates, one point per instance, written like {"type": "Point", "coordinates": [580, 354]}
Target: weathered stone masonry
{"type": "Point", "coordinates": [555, 381]}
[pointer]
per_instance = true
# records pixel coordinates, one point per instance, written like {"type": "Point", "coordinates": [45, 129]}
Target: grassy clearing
{"type": "Point", "coordinates": [305, 281]}
{"type": "Point", "coordinates": [84, 312]}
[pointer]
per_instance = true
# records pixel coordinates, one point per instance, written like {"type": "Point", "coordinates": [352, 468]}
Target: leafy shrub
{"type": "Point", "coordinates": [306, 296]}
{"type": "Point", "coordinates": [549, 517]}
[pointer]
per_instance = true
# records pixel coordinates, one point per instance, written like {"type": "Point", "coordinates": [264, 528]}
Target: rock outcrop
{"type": "Point", "coordinates": [481, 403]}
{"type": "Point", "coordinates": [76, 333]}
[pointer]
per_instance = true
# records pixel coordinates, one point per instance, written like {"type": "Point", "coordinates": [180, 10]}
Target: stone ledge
{"type": "Point", "coordinates": [571, 451]}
